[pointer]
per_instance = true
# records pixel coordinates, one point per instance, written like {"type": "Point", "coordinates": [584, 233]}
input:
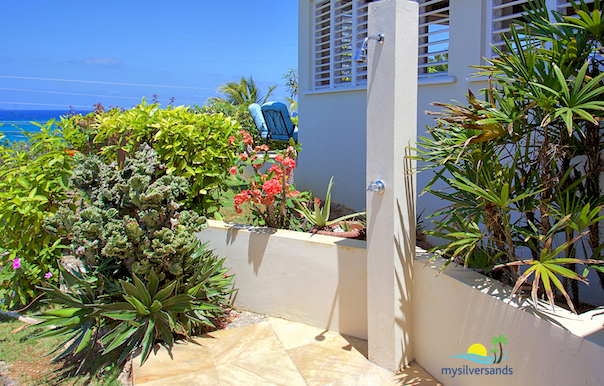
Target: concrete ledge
{"type": "Point", "coordinates": [460, 307]}
{"type": "Point", "coordinates": [312, 279]}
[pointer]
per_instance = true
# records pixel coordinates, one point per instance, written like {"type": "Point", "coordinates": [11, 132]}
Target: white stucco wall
{"type": "Point", "coordinates": [460, 307]}
{"type": "Point", "coordinates": [333, 124]}
{"type": "Point", "coordinates": [331, 130]}
{"type": "Point", "coordinates": [466, 48]}
{"type": "Point", "coordinates": [312, 279]}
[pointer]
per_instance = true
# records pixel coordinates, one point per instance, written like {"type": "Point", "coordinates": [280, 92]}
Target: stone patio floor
{"type": "Point", "coordinates": [271, 352]}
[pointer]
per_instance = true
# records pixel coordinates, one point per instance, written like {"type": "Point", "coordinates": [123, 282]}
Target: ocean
{"type": "Point", "coordinates": [16, 121]}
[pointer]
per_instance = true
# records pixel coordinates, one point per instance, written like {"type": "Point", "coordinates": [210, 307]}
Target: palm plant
{"type": "Point", "coordinates": [521, 168]}
{"type": "Point", "coordinates": [244, 92]}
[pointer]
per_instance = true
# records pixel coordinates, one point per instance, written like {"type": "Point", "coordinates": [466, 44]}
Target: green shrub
{"type": "Point", "coordinates": [239, 112]}
{"type": "Point", "coordinates": [193, 146]}
{"type": "Point", "coordinates": [33, 185]}
{"type": "Point", "coordinates": [521, 170]}
{"type": "Point", "coordinates": [79, 130]}
{"type": "Point", "coordinates": [131, 228]}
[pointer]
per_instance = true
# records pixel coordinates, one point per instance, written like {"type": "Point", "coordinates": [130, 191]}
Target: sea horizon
{"type": "Point", "coordinates": [15, 122]}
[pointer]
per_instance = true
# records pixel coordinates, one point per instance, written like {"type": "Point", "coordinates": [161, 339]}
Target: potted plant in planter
{"type": "Point", "coordinates": [319, 219]}
{"type": "Point", "coordinates": [521, 169]}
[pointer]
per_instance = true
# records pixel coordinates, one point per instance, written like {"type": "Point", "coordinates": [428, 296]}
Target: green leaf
{"type": "Point", "coordinates": [145, 297]}
{"type": "Point", "coordinates": [140, 307]}
{"type": "Point", "coordinates": [165, 292]}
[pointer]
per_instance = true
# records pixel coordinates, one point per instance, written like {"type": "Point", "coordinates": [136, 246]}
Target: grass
{"type": "Point", "coordinates": [31, 364]}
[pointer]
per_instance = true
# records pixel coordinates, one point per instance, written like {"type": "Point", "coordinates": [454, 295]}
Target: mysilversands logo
{"type": "Point", "coordinates": [478, 353]}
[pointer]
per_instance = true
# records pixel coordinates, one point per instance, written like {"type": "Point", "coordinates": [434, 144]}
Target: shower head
{"type": "Point", "coordinates": [361, 56]}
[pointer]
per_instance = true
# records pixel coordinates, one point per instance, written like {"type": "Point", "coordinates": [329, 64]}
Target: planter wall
{"type": "Point", "coordinates": [460, 308]}
{"type": "Point", "coordinates": [313, 279]}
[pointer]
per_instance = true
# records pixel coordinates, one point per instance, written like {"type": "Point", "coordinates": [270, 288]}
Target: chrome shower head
{"type": "Point", "coordinates": [361, 56]}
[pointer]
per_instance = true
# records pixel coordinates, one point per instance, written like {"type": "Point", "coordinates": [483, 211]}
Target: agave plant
{"type": "Point", "coordinates": [320, 217]}
{"type": "Point", "coordinates": [148, 313]}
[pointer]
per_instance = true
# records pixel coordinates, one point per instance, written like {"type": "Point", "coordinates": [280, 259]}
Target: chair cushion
{"type": "Point", "coordinates": [256, 112]}
{"type": "Point", "coordinates": [278, 122]}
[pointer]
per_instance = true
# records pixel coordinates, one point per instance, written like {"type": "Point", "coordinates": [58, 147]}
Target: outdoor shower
{"type": "Point", "coordinates": [361, 56]}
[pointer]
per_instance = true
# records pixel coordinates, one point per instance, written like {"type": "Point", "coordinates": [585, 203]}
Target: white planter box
{"type": "Point", "coordinates": [461, 307]}
{"type": "Point", "coordinates": [312, 279]}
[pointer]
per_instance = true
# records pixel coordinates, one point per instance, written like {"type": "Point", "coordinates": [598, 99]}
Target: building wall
{"type": "Point", "coordinates": [331, 130]}
{"type": "Point", "coordinates": [333, 124]}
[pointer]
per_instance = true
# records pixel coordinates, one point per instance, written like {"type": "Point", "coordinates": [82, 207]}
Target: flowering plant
{"type": "Point", "coordinates": [320, 217]}
{"type": "Point", "coordinates": [271, 192]}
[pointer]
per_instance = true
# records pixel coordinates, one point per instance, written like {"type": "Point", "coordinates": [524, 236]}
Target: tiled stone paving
{"type": "Point", "coordinates": [272, 352]}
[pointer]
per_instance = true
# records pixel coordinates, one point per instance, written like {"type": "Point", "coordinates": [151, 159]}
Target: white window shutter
{"type": "Point", "coordinates": [503, 12]}
{"type": "Point", "coordinates": [339, 29]}
{"type": "Point", "coordinates": [433, 55]}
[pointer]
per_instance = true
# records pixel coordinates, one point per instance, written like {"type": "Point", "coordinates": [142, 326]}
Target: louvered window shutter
{"type": "Point", "coordinates": [339, 29]}
{"type": "Point", "coordinates": [433, 55]}
{"type": "Point", "coordinates": [504, 12]}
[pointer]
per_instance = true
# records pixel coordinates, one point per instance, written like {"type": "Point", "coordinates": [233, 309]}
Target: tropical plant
{"type": "Point", "coordinates": [245, 92]}
{"type": "Point", "coordinates": [438, 58]}
{"type": "Point", "coordinates": [192, 146]}
{"type": "Point", "coordinates": [320, 217]}
{"type": "Point", "coordinates": [131, 315]}
{"type": "Point", "coordinates": [271, 193]}
{"type": "Point", "coordinates": [238, 112]}
{"type": "Point", "coordinates": [33, 186]}
{"type": "Point", "coordinates": [291, 82]}
{"type": "Point", "coordinates": [143, 277]}
{"type": "Point", "coordinates": [521, 169]}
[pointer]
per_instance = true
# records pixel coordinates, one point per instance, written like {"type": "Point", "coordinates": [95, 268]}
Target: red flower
{"type": "Point", "coordinates": [71, 152]}
{"type": "Point", "coordinates": [243, 156]}
{"type": "Point", "coordinates": [238, 209]}
{"type": "Point", "coordinates": [264, 147]}
{"type": "Point", "coordinates": [257, 194]}
{"type": "Point", "coordinates": [289, 162]}
{"type": "Point", "coordinates": [267, 200]}
{"type": "Point", "coordinates": [272, 187]}
{"type": "Point", "coordinates": [279, 158]}
{"type": "Point", "coordinates": [233, 170]}
{"type": "Point", "coordinates": [277, 170]}
{"type": "Point", "coordinates": [247, 138]}
{"type": "Point", "coordinates": [242, 197]}
{"type": "Point", "coordinates": [231, 140]}
{"type": "Point", "coordinates": [294, 193]}
{"type": "Point", "coordinates": [318, 201]}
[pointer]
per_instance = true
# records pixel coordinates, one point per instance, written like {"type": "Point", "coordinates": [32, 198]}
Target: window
{"type": "Point", "coordinates": [339, 29]}
{"type": "Point", "coordinates": [433, 55]}
{"type": "Point", "coordinates": [504, 12]}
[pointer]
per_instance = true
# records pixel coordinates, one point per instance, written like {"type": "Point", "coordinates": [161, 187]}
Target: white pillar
{"type": "Point", "coordinates": [391, 127]}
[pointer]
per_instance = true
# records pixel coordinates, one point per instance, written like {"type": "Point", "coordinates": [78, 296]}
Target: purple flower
{"type": "Point", "coordinates": [47, 275]}
{"type": "Point", "coordinates": [16, 263]}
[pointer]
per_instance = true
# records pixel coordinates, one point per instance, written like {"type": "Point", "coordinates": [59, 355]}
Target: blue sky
{"type": "Point", "coordinates": [56, 54]}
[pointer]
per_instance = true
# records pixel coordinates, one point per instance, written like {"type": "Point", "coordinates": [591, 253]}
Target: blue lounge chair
{"type": "Point", "coordinates": [278, 122]}
{"type": "Point", "coordinates": [256, 112]}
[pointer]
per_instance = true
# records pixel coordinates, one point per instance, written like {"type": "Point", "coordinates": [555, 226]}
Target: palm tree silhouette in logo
{"type": "Point", "coordinates": [495, 351]}
{"type": "Point", "coordinates": [500, 340]}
